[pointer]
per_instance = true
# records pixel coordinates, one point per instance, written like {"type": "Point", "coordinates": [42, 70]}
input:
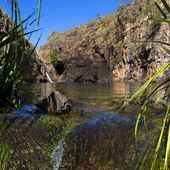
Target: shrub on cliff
{"type": "Point", "coordinates": [54, 58]}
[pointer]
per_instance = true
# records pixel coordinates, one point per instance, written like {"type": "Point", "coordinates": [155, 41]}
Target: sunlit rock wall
{"type": "Point", "coordinates": [111, 48]}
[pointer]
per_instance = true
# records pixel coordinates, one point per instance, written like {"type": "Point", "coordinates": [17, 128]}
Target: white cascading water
{"type": "Point", "coordinates": [57, 155]}
{"type": "Point", "coordinates": [48, 77]}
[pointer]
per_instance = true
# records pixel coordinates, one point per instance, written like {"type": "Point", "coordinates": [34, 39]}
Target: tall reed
{"type": "Point", "coordinates": [163, 143]}
{"type": "Point", "coordinates": [13, 48]}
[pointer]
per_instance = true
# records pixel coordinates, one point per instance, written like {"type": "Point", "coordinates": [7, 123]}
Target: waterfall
{"type": "Point", "coordinates": [48, 77]}
{"type": "Point", "coordinates": [57, 155]}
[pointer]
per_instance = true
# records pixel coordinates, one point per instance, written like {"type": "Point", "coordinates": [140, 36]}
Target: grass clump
{"type": "Point", "coordinates": [13, 49]}
{"type": "Point", "coordinates": [4, 155]}
{"type": "Point", "coordinates": [160, 157]}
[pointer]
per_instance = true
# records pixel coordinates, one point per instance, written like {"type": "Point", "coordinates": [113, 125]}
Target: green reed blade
{"type": "Point", "coordinates": [161, 11]}
{"type": "Point", "coordinates": [166, 5]}
{"type": "Point", "coordinates": [160, 139]}
{"type": "Point", "coordinates": [39, 11]}
{"type": "Point", "coordinates": [167, 154]}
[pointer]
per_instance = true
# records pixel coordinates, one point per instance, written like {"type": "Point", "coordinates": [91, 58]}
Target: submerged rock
{"type": "Point", "coordinates": [104, 142]}
{"type": "Point", "coordinates": [55, 103]}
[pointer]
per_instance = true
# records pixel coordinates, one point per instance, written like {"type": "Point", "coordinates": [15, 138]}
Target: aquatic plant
{"type": "Point", "coordinates": [160, 159]}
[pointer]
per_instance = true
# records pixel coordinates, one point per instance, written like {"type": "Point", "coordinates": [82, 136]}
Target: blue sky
{"type": "Point", "coordinates": [61, 15]}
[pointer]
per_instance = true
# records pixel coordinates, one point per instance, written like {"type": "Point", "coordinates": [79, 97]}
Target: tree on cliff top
{"type": "Point", "coordinates": [125, 2]}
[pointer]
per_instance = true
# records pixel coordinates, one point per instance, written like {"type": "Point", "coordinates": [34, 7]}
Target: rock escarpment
{"type": "Point", "coordinates": [106, 49]}
{"type": "Point", "coordinates": [31, 68]}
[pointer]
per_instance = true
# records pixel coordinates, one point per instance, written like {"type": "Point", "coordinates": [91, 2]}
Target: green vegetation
{"type": "Point", "coordinates": [29, 144]}
{"type": "Point", "coordinates": [160, 158]}
{"type": "Point", "coordinates": [50, 120]}
{"type": "Point", "coordinates": [13, 48]}
{"type": "Point", "coordinates": [4, 155]}
{"type": "Point", "coordinates": [58, 128]}
{"type": "Point", "coordinates": [153, 10]}
{"type": "Point", "coordinates": [125, 2]}
{"type": "Point", "coordinates": [54, 58]}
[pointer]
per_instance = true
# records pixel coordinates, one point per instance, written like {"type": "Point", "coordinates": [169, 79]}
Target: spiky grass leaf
{"type": "Point", "coordinates": [161, 11]}
{"type": "Point", "coordinates": [160, 139]}
{"type": "Point", "coordinates": [14, 45]}
{"type": "Point", "coordinates": [39, 11]}
{"type": "Point", "coordinates": [166, 5]}
{"type": "Point", "coordinates": [167, 154]}
{"type": "Point", "coordinates": [143, 88]}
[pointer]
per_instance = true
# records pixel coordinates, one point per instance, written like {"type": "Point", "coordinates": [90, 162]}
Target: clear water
{"type": "Point", "coordinates": [103, 96]}
{"type": "Point", "coordinates": [106, 140]}
{"type": "Point", "coordinates": [107, 97]}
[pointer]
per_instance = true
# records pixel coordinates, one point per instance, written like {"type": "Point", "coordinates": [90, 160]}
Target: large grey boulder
{"type": "Point", "coordinates": [105, 142]}
{"type": "Point", "coordinates": [55, 103]}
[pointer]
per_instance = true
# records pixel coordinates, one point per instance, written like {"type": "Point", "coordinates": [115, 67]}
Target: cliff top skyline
{"type": "Point", "coordinates": [64, 15]}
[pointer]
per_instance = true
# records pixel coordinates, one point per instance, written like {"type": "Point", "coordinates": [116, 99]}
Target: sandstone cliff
{"type": "Point", "coordinates": [106, 49]}
{"type": "Point", "coordinates": [31, 68]}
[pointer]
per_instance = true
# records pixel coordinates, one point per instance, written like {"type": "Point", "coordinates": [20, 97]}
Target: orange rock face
{"type": "Point", "coordinates": [108, 48]}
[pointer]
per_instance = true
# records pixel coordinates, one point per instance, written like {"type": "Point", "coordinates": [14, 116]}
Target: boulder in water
{"type": "Point", "coordinates": [104, 142]}
{"type": "Point", "coordinates": [55, 103]}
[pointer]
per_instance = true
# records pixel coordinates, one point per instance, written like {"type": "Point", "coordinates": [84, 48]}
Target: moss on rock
{"type": "Point", "coordinates": [31, 142]}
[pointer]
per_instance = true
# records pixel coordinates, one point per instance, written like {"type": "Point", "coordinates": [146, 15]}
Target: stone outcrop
{"type": "Point", "coordinates": [31, 68]}
{"type": "Point", "coordinates": [106, 49]}
{"type": "Point", "coordinates": [4, 22]}
{"type": "Point", "coordinates": [55, 103]}
{"type": "Point", "coordinates": [96, 145]}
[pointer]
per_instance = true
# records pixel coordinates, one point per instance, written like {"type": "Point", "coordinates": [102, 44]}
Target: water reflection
{"type": "Point", "coordinates": [105, 141]}
{"type": "Point", "coordinates": [109, 96]}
